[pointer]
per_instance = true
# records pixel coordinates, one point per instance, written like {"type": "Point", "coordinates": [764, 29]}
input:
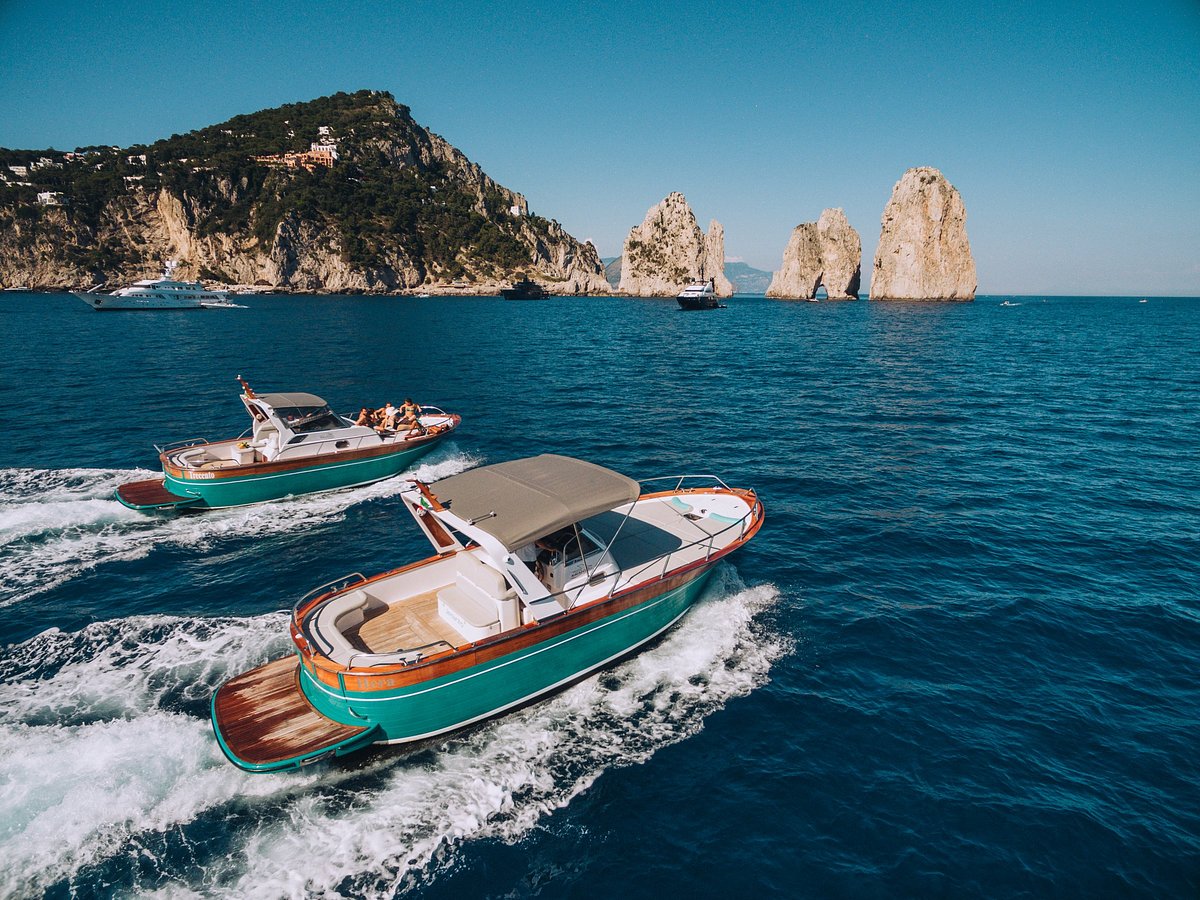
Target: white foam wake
{"type": "Point", "coordinates": [58, 523]}
{"type": "Point", "coordinates": [105, 750]}
{"type": "Point", "coordinates": [91, 752]}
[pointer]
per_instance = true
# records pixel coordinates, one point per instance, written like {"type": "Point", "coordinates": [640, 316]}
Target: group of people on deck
{"type": "Point", "coordinates": [390, 417]}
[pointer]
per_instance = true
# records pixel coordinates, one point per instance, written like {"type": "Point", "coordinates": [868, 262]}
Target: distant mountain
{"type": "Point", "coordinates": [612, 269]}
{"type": "Point", "coordinates": [747, 280]}
{"type": "Point", "coordinates": [342, 193]}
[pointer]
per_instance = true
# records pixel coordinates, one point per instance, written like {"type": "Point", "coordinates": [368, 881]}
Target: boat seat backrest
{"type": "Point", "coordinates": [339, 616]}
{"type": "Point", "coordinates": [478, 580]}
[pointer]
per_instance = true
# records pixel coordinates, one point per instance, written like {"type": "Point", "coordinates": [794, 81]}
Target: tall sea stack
{"type": "Point", "coordinates": [668, 250]}
{"type": "Point", "coordinates": [923, 251]}
{"type": "Point", "coordinates": [826, 252]}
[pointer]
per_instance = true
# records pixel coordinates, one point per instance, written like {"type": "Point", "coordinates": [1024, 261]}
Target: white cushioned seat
{"type": "Point", "coordinates": [472, 605]}
{"type": "Point", "coordinates": [335, 618]}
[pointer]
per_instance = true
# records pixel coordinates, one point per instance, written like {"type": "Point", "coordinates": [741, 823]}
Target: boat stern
{"type": "Point", "coordinates": [264, 723]}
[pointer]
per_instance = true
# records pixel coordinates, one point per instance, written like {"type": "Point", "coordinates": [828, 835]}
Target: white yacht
{"type": "Point", "coordinates": [158, 293]}
{"type": "Point", "coordinates": [699, 295]}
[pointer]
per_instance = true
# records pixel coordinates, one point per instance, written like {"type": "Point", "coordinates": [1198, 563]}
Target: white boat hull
{"type": "Point", "coordinates": [111, 301]}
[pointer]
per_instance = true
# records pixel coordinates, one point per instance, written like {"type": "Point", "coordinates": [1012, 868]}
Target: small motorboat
{"type": "Point", "coordinates": [525, 290]}
{"type": "Point", "coordinates": [295, 444]}
{"type": "Point", "coordinates": [699, 295]}
{"type": "Point", "coordinates": [546, 569]}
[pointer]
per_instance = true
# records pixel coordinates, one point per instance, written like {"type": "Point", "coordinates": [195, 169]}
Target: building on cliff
{"type": "Point", "coordinates": [320, 154]}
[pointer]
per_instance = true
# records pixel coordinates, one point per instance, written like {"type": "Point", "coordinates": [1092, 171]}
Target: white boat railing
{"type": "Point", "coordinates": [328, 587]}
{"type": "Point", "coordinates": [182, 445]}
{"type": "Point", "coordinates": [709, 539]}
{"type": "Point", "coordinates": [715, 481]}
{"type": "Point", "coordinates": [410, 655]}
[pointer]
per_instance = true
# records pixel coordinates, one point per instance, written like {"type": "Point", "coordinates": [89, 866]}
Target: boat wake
{"type": "Point", "coordinates": [113, 780]}
{"type": "Point", "coordinates": [56, 524]}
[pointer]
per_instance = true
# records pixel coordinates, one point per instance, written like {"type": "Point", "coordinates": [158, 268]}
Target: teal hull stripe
{"type": "Point", "coordinates": [323, 467]}
{"type": "Point", "coordinates": [327, 476]}
{"type": "Point", "coordinates": [357, 697]}
{"type": "Point", "coordinates": [539, 691]}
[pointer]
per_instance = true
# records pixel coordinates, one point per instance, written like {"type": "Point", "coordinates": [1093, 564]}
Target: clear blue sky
{"type": "Point", "coordinates": [1071, 130]}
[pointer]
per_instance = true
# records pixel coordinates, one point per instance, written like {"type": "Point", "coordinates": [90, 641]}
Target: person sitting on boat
{"type": "Point", "coordinates": [410, 415]}
{"type": "Point", "coordinates": [366, 417]}
{"type": "Point", "coordinates": [389, 416]}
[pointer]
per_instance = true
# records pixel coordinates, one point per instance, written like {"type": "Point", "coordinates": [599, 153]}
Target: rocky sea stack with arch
{"type": "Point", "coordinates": [826, 253]}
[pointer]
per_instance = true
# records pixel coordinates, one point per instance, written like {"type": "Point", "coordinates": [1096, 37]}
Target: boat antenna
{"type": "Point", "coordinates": [249, 391]}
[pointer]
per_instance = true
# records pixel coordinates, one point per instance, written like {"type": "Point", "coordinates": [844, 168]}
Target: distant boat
{"type": "Point", "coordinates": [699, 295]}
{"type": "Point", "coordinates": [1143, 300]}
{"type": "Point", "coordinates": [525, 290]}
{"type": "Point", "coordinates": [158, 293]}
{"type": "Point", "coordinates": [19, 287]}
{"type": "Point", "coordinates": [1008, 303]}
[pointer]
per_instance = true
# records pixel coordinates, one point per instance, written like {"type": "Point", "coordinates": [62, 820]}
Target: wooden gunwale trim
{"type": "Point", "coordinates": [430, 496]}
{"type": "Point", "coordinates": [469, 655]}
{"type": "Point", "coordinates": [286, 465]}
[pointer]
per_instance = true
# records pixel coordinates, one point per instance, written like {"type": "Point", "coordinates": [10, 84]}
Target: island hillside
{"type": "Point", "coordinates": [342, 193]}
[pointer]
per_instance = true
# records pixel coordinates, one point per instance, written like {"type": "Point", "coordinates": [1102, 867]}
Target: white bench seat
{"type": "Point", "coordinates": [472, 605]}
{"type": "Point", "coordinates": [335, 618]}
{"type": "Point", "coordinates": [467, 615]}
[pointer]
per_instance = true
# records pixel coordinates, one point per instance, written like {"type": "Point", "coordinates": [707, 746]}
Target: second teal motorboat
{"type": "Point", "coordinates": [296, 444]}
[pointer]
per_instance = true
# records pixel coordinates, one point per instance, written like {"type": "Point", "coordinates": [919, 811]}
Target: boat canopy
{"type": "Point", "coordinates": [519, 501]}
{"type": "Point", "coordinates": [299, 398]}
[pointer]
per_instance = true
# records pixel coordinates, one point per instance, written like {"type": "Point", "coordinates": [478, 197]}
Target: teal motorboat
{"type": "Point", "coordinates": [296, 444]}
{"type": "Point", "coordinates": [546, 569]}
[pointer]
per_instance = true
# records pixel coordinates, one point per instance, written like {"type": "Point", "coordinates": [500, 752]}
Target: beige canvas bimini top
{"type": "Point", "coordinates": [277, 401]}
{"type": "Point", "coordinates": [533, 497]}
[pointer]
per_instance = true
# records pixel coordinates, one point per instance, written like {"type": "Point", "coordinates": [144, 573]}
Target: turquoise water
{"type": "Point", "coordinates": [960, 659]}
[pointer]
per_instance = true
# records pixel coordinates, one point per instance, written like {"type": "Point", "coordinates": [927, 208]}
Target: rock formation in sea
{"type": "Point", "coordinates": [826, 252]}
{"type": "Point", "coordinates": [341, 194]}
{"type": "Point", "coordinates": [668, 250]}
{"type": "Point", "coordinates": [923, 251]}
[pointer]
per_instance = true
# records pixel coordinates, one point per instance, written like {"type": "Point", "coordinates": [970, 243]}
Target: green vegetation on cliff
{"type": "Point", "coordinates": [394, 192]}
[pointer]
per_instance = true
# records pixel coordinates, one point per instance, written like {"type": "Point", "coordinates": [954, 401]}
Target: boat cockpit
{"type": "Point", "coordinates": [514, 549]}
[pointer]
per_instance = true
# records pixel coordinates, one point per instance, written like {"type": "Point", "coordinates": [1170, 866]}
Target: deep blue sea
{"type": "Point", "coordinates": [961, 659]}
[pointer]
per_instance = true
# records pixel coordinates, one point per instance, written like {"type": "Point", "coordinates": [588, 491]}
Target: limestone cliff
{"type": "Point", "coordinates": [668, 250]}
{"type": "Point", "coordinates": [923, 252]}
{"type": "Point", "coordinates": [826, 252]}
{"type": "Point", "coordinates": [394, 207]}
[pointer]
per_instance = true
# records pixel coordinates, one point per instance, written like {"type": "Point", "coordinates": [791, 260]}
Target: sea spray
{"type": "Point", "coordinates": [58, 524]}
{"type": "Point", "coordinates": [98, 764]}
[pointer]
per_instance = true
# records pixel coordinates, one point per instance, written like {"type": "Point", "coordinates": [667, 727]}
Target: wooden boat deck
{"type": "Point", "coordinates": [264, 717]}
{"type": "Point", "coordinates": [411, 623]}
{"type": "Point", "coordinates": [151, 494]}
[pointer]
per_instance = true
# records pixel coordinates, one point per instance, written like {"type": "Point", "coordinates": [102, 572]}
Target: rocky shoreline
{"type": "Point", "coordinates": [381, 205]}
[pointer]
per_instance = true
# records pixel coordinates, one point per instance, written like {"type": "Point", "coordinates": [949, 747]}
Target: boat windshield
{"type": "Point", "coordinates": [307, 419]}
